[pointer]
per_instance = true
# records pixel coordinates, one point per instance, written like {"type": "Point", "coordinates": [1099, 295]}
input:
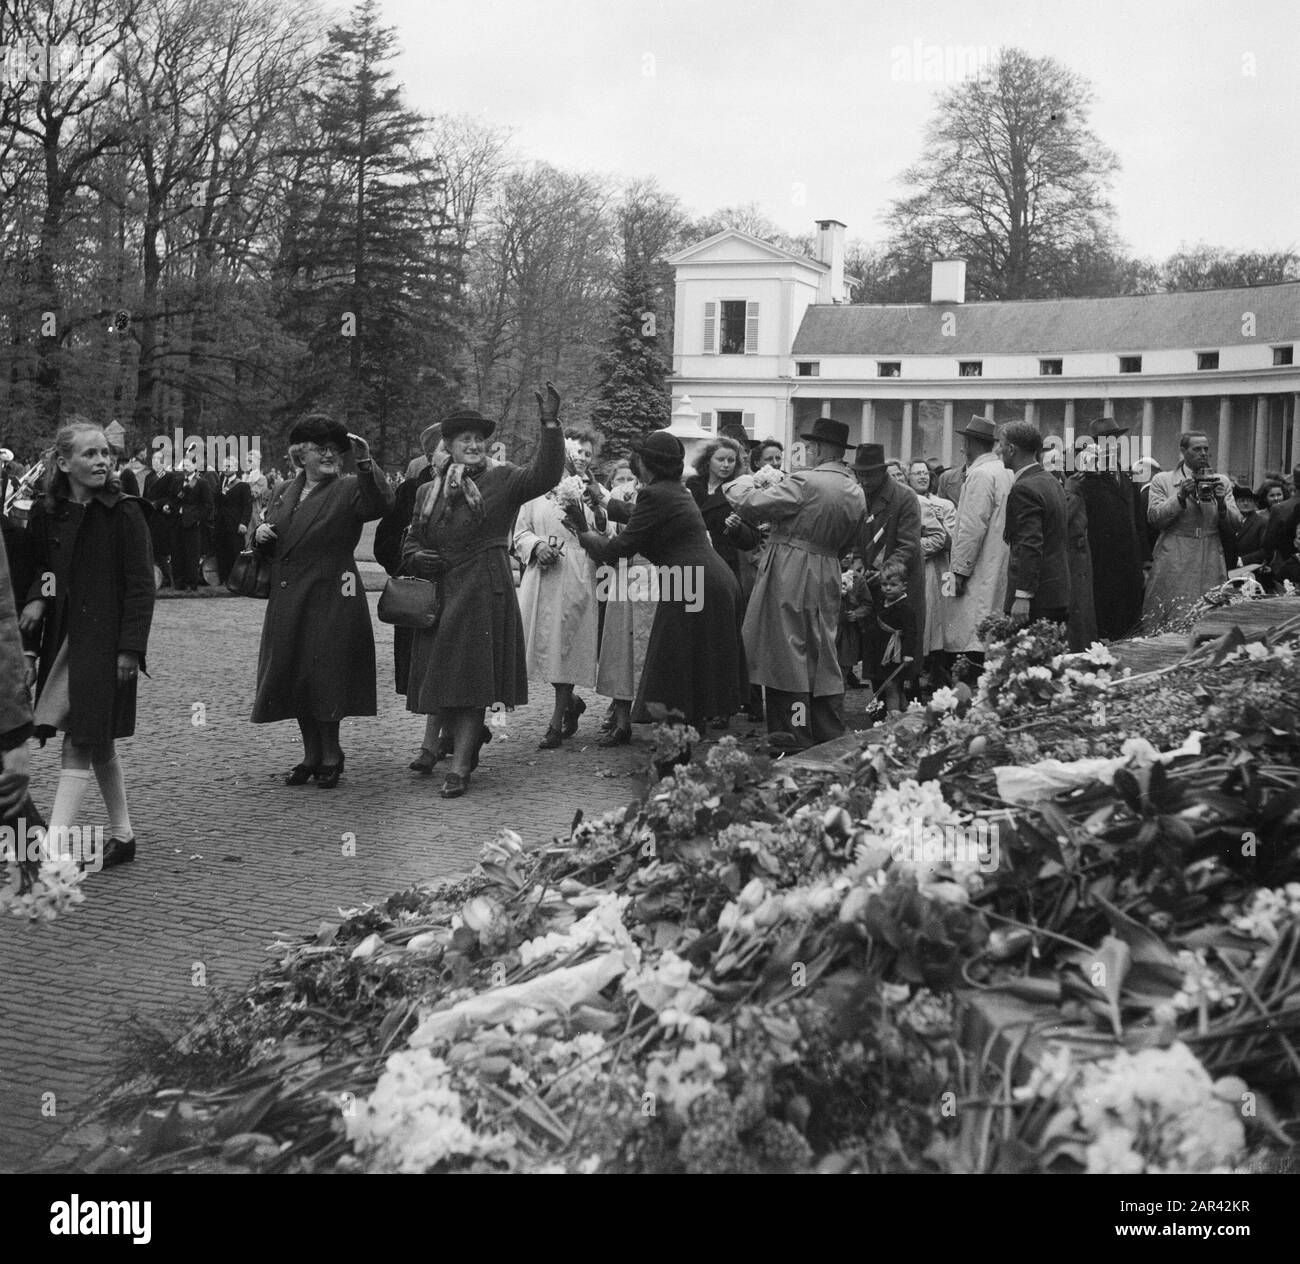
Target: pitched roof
{"type": "Point", "coordinates": [1146, 322]}
{"type": "Point", "coordinates": [763, 249]}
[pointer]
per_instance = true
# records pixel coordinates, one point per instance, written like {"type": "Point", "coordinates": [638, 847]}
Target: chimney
{"type": "Point", "coordinates": [948, 281]}
{"type": "Point", "coordinates": [830, 250]}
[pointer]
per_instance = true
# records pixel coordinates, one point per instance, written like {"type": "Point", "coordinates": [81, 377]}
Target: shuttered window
{"type": "Point", "coordinates": [747, 420]}
{"type": "Point", "coordinates": [751, 328]}
{"type": "Point", "coordinates": [706, 421]}
{"type": "Point", "coordinates": [710, 328]}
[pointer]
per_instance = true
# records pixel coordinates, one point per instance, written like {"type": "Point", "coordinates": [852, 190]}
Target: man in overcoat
{"type": "Point", "coordinates": [979, 552]}
{"type": "Point", "coordinates": [793, 612]}
{"type": "Point", "coordinates": [1035, 531]}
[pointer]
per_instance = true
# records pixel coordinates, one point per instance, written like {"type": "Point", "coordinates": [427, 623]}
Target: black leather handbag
{"type": "Point", "coordinates": [411, 603]}
{"type": "Point", "coordinates": [251, 575]}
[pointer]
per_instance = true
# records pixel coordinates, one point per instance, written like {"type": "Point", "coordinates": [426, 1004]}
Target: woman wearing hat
{"type": "Point", "coordinates": [557, 597]}
{"type": "Point", "coordinates": [694, 663]}
{"type": "Point", "coordinates": [317, 658]}
{"type": "Point", "coordinates": [460, 533]}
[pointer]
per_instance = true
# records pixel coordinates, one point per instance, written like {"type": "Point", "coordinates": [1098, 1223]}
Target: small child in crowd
{"type": "Point", "coordinates": [855, 606]}
{"type": "Point", "coordinates": [891, 640]}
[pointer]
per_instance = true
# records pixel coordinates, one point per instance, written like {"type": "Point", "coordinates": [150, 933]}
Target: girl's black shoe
{"type": "Point", "coordinates": [301, 774]}
{"type": "Point", "coordinates": [117, 851]}
{"type": "Point", "coordinates": [571, 715]}
{"type": "Point", "coordinates": [552, 739]}
{"type": "Point", "coordinates": [327, 775]}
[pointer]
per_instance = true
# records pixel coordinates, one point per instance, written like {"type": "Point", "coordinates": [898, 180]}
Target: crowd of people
{"type": "Point", "coordinates": [735, 586]}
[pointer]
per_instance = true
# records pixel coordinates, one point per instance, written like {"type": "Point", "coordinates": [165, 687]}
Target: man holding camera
{"type": "Point", "coordinates": [1188, 505]}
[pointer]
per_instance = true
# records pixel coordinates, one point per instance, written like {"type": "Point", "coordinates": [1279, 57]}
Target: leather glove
{"type": "Point", "coordinates": [549, 406]}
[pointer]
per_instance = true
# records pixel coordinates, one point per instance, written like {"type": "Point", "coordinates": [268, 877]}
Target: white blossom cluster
{"type": "Point", "coordinates": [56, 889]}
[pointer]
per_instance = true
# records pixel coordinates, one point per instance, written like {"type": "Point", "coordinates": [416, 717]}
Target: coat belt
{"type": "Point", "coordinates": [806, 546]}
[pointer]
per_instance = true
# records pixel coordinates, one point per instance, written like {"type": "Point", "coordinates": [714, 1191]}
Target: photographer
{"type": "Point", "coordinates": [1189, 505]}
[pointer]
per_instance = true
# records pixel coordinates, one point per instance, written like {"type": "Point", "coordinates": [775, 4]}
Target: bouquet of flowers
{"type": "Point", "coordinates": [569, 490]}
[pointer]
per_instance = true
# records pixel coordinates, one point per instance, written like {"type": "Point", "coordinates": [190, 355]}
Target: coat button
{"type": "Point", "coordinates": [284, 583]}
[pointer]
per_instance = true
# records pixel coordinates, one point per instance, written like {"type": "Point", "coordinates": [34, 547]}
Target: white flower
{"type": "Point", "coordinates": [944, 699]}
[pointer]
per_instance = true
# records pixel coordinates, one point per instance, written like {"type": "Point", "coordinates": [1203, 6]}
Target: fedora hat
{"type": "Point", "coordinates": [869, 456]}
{"type": "Point", "coordinates": [980, 428]}
{"type": "Point", "coordinates": [465, 419]}
{"type": "Point", "coordinates": [828, 430]}
{"type": "Point", "coordinates": [1105, 428]}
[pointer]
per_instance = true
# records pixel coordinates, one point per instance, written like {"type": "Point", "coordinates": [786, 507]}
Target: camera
{"type": "Point", "coordinates": [1206, 481]}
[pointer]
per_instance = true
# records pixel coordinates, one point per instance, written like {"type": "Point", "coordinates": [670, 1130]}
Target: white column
{"type": "Point", "coordinates": [905, 450]}
{"type": "Point", "coordinates": [1068, 425]}
{"type": "Point", "coordinates": [1189, 415]}
{"type": "Point", "coordinates": [1261, 439]}
{"type": "Point", "coordinates": [988, 411]}
{"type": "Point", "coordinates": [949, 439]}
{"type": "Point", "coordinates": [868, 421]}
{"type": "Point", "coordinates": [1225, 434]}
{"type": "Point", "coordinates": [1148, 430]}
{"type": "Point", "coordinates": [1031, 411]}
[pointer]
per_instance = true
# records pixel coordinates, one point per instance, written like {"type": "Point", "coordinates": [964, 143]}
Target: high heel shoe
{"type": "Point", "coordinates": [616, 737]}
{"type": "Point", "coordinates": [423, 763]}
{"type": "Point", "coordinates": [301, 774]}
{"type": "Point", "coordinates": [484, 736]}
{"type": "Point", "coordinates": [554, 737]}
{"type": "Point", "coordinates": [572, 713]}
{"type": "Point", "coordinates": [327, 775]}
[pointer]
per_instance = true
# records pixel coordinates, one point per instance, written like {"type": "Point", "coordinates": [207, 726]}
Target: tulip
{"type": "Point", "coordinates": [753, 895]}
{"type": "Point", "coordinates": [769, 912]}
{"type": "Point", "coordinates": [837, 821]}
{"type": "Point", "coordinates": [478, 913]}
{"type": "Point", "coordinates": [855, 904]}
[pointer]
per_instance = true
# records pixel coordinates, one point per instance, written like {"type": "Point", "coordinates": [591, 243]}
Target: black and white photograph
{"type": "Point", "coordinates": [641, 587]}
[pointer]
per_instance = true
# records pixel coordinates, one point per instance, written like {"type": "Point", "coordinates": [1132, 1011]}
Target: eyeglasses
{"type": "Point", "coordinates": [328, 449]}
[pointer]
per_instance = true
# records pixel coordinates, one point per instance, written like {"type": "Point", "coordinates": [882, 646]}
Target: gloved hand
{"type": "Point", "coordinates": [549, 407]}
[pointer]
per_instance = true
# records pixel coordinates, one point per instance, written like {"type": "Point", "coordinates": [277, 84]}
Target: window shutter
{"type": "Point", "coordinates": [706, 421]}
{"type": "Point", "coordinates": [710, 328]}
{"type": "Point", "coordinates": [747, 420]}
{"type": "Point", "coordinates": [751, 328]}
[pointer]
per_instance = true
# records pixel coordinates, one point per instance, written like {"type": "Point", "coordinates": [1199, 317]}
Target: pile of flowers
{"type": "Point", "coordinates": [758, 968]}
{"type": "Point", "coordinates": [1033, 668]}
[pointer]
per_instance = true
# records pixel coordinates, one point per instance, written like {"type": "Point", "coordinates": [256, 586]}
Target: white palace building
{"type": "Point", "coordinates": [768, 339]}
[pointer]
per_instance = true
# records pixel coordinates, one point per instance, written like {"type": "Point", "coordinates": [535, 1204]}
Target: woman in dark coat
{"type": "Point", "coordinates": [316, 663]}
{"type": "Point", "coordinates": [1115, 551]}
{"type": "Point", "coordinates": [694, 661]}
{"type": "Point", "coordinates": [1082, 628]}
{"type": "Point", "coordinates": [89, 607]}
{"type": "Point", "coordinates": [715, 467]}
{"type": "Point", "coordinates": [460, 535]}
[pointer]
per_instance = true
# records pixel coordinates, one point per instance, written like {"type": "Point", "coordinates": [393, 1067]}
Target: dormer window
{"type": "Point", "coordinates": [731, 327]}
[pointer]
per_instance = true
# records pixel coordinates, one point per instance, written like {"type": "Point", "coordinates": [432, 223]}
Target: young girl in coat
{"type": "Point", "coordinates": [855, 606]}
{"type": "Point", "coordinates": [87, 617]}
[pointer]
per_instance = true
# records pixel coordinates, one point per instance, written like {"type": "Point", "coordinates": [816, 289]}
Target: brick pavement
{"type": "Point", "coordinates": [228, 855]}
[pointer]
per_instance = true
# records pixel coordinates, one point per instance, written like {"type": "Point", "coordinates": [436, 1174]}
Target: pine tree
{"type": "Point", "coordinates": [634, 394]}
{"type": "Point", "coordinates": [374, 269]}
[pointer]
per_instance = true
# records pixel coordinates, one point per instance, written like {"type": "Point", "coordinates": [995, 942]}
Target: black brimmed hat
{"type": "Point", "coordinates": [465, 419]}
{"type": "Point", "coordinates": [869, 456]}
{"type": "Point", "coordinates": [662, 453]}
{"type": "Point", "coordinates": [319, 428]}
{"type": "Point", "coordinates": [828, 430]}
{"type": "Point", "coordinates": [1105, 428]}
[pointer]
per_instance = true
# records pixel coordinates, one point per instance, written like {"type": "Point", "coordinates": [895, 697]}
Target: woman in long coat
{"type": "Point", "coordinates": [460, 533]}
{"type": "Point", "coordinates": [979, 553]}
{"type": "Point", "coordinates": [557, 599]}
{"type": "Point", "coordinates": [1082, 629]}
{"type": "Point", "coordinates": [90, 602]}
{"type": "Point", "coordinates": [317, 658]}
{"type": "Point", "coordinates": [1115, 550]}
{"type": "Point", "coordinates": [936, 549]}
{"type": "Point", "coordinates": [694, 662]}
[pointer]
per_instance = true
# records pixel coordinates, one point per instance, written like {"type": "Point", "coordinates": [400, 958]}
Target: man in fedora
{"type": "Point", "coordinates": [978, 580]}
{"type": "Point", "coordinates": [1038, 577]}
{"type": "Point", "coordinates": [978, 437]}
{"type": "Point", "coordinates": [1115, 531]}
{"type": "Point", "coordinates": [793, 612]}
{"type": "Point", "coordinates": [890, 535]}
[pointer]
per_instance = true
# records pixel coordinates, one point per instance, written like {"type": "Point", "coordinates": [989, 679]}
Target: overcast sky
{"type": "Point", "coordinates": [798, 105]}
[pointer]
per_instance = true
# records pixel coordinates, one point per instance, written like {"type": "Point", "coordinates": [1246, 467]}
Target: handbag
{"type": "Point", "coordinates": [250, 576]}
{"type": "Point", "coordinates": [411, 603]}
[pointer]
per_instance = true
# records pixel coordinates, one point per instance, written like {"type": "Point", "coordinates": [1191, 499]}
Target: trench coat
{"type": "Point", "coordinates": [101, 566]}
{"type": "Point", "coordinates": [979, 552]}
{"type": "Point", "coordinates": [694, 662]}
{"type": "Point", "coordinates": [1115, 551]}
{"type": "Point", "coordinates": [557, 603]}
{"type": "Point", "coordinates": [794, 610]}
{"type": "Point", "coordinates": [1187, 561]}
{"type": "Point", "coordinates": [1082, 629]}
{"type": "Point", "coordinates": [937, 551]}
{"type": "Point", "coordinates": [475, 657]}
{"type": "Point", "coordinates": [317, 656]}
